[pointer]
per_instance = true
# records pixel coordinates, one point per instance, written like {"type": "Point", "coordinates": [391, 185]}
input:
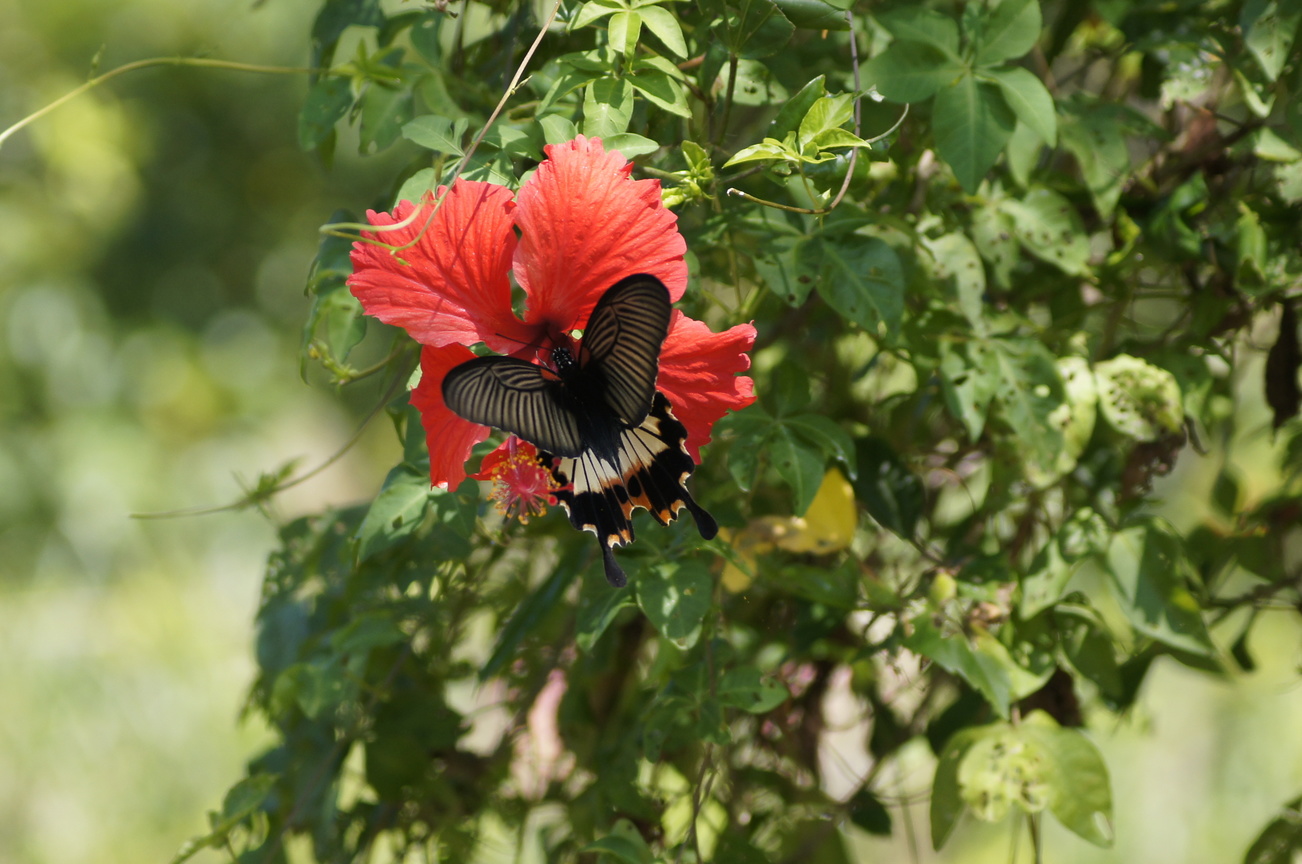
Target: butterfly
{"type": "Point", "coordinates": [603, 430]}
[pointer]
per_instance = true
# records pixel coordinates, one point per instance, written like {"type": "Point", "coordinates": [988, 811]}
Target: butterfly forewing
{"type": "Point", "coordinates": [515, 396]}
{"type": "Point", "coordinates": [622, 341]}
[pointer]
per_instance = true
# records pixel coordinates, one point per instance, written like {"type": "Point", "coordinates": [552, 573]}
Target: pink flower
{"type": "Point", "coordinates": [583, 225]}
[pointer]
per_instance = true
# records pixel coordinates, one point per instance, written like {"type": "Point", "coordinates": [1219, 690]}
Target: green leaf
{"type": "Point", "coordinates": [992, 231]}
{"type": "Point", "coordinates": [862, 279]}
{"type": "Point", "coordinates": [915, 23]}
{"type": "Point", "coordinates": [240, 802]}
{"type": "Point", "coordinates": [1269, 28]}
{"type": "Point", "coordinates": [798, 463]}
{"type": "Point", "coordinates": [1074, 419]}
{"type": "Point", "coordinates": [755, 29]}
{"type": "Point", "coordinates": [313, 687]}
{"type": "Point", "coordinates": [328, 100]}
{"type": "Point", "coordinates": [436, 133]}
{"type": "Point", "coordinates": [946, 796]}
{"type": "Point", "coordinates": [415, 187]}
{"type": "Point", "coordinates": [593, 11]}
{"type": "Point", "coordinates": [784, 269]}
{"type": "Point", "coordinates": [756, 84]}
{"type": "Point", "coordinates": [425, 35]}
{"type": "Point", "coordinates": [765, 151]}
{"type": "Point", "coordinates": [1030, 101]}
{"type": "Point", "coordinates": [607, 107]}
{"type": "Point", "coordinates": [972, 123]}
{"type": "Point", "coordinates": [396, 512]}
{"type": "Point", "coordinates": [744, 688]}
{"type": "Point", "coordinates": [970, 378]}
{"type": "Point", "coordinates": [625, 29]}
{"type": "Point", "coordinates": [1043, 585]}
{"type": "Point", "coordinates": [340, 312]}
{"type": "Point", "coordinates": [1094, 133]}
{"type": "Point", "coordinates": [827, 113]}
{"type": "Point", "coordinates": [526, 618]}
{"type": "Point", "coordinates": [624, 843]}
{"type": "Point", "coordinates": [1139, 399]}
{"type": "Point", "coordinates": [1022, 153]}
{"type": "Point", "coordinates": [834, 587]}
{"type": "Point", "coordinates": [385, 110]}
{"type": "Point", "coordinates": [335, 17]}
{"type": "Point", "coordinates": [1009, 32]}
{"type": "Point", "coordinates": [956, 260]}
{"type": "Point", "coordinates": [630, 145]}
{"type": "Point", "coordinates": [793, 111]}
{"type": "Point", "coordinates": [813, 14]}
{"type": "Point", "coordinates": [1149, 571]}
{"type": "Point", "coordinates": [912, 71]}
{"type": "Point", "coordinates": [1280, 842]}
{"type": "Point", "coordinates": [892, 494]}
{"type": "Point", "coordinates": [557, 129]}
{"type": "Point", "coordinates": [675, 599]}
{"type": "Point", "coordinates": [1049, 227]}
{"type": "Point", "coordinates": [597, 612]}
{"type": "Point", "coordinates": [1029, 393]}
{"type": "Point", "coordinates": [524, 142]}
{"type": "Point", "coordinates": [661, 90]}
{"type": "Point", "coordinates": [372, 629]}
{"type": "Point", "coordinates": [980, 660]}
{"type": "Point", "coordinates": [869, 813]}
{"type": "Point", "coordinates": [1089, 648]}
{"type": "Point", "coordinates": [1080, 794]}
{"type": "Point", "coordinates": [826, 434]}
{"type": "Point", "coordinates": [666, 28]}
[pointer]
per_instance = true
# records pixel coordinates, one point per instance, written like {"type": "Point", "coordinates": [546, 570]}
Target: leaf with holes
{"type": "Point", "coordinates": [1138, 399]}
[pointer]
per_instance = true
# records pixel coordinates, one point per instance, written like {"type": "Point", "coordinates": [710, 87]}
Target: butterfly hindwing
{"type": "Point", "coordinates": [652, 471]}
{"type": "Point", "coordinates": [516, 396]}
{"type": "Point", "coordinates": [621, 344]}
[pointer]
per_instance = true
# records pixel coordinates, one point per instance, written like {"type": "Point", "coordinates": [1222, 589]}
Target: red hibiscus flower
{"type": "Point", "coordinates": [583, 224]}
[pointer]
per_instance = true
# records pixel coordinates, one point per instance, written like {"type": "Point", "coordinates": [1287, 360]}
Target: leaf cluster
{"type": "Point", "coordinates": [988, 327]}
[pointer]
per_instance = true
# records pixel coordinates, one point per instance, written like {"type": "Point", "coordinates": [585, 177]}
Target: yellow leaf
{"type": "Point", "coordinates": [828, 525]}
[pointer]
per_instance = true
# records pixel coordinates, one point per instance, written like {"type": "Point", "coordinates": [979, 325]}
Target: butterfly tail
{"type": "Point", "coordinates": [704, 521]}
{"type": "Point", "coordinates": [614, 573]}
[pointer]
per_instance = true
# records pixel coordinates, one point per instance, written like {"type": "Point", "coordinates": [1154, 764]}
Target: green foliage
{"type": "Point", "coordinates": [1003, 315]}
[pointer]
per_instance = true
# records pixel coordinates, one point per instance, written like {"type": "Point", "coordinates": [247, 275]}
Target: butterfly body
{"type": "Point", "coordinates": [580, 391]}
{"type": "Point", "coordinates": [607, 436]}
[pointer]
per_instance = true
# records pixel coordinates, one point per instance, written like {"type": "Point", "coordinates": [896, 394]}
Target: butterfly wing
{"type": "Point", "coordinates": [516, 396]}
{"type": "Point", "coordinates": [652, 471]}
{"type": "Point", "coordinates": [622, 341]}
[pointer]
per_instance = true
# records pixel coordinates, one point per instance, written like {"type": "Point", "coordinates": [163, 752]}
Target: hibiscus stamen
{"type": "Point", "coordinates": [521, 487]}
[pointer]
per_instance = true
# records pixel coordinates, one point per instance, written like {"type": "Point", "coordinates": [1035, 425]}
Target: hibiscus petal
{"type": "Point", "coordinates": [698, 372]}
{"type": "Point", "coordinates": [451, 286]}
{"type": "Point", "coordinates": [585, 225]}
{"type": "Point", "coordinates": [448, 437]}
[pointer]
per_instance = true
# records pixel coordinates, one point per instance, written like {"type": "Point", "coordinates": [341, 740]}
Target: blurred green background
{"type": "Point", "coordinates": [154, 240]}
{"type": "Point", "coordinates": [155, 236]}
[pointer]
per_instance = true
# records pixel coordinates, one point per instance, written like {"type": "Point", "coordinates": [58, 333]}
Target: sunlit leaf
{"type": "Point", "coordinates": [972, 123]}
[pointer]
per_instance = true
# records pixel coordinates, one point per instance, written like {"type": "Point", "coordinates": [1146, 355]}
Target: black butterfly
{"type": "Point", "coordinates": [603, 430]}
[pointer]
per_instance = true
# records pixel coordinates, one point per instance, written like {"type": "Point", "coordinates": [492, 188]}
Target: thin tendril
{"type": "Point", "coordinates": [157, 61]}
